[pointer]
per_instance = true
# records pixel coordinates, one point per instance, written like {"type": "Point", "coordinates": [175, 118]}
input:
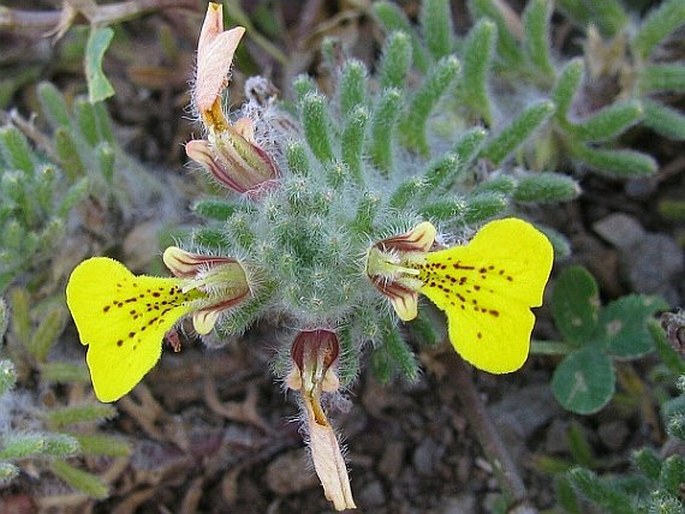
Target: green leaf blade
{"type": "Point", "coordinates": [99, 87]}
{"type": "Point", "coordinates": [584, 381]}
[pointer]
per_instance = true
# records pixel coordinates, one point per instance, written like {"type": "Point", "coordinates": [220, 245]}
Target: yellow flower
{"type": "Point", "coordinates": [122, 318]}
{"type": "Point", "coordinates": [486, 288]}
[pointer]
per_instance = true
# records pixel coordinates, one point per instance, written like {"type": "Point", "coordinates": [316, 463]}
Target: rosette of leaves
{"type": "Point", "coordinates": [594, 337]}
{"type": "Point", "coordinates": [510, 70]}
{"type": "Point", "coordinates": [372, 160]}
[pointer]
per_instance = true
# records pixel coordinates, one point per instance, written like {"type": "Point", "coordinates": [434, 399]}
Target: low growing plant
{"type": "Point", "coordinates": [330, 233]}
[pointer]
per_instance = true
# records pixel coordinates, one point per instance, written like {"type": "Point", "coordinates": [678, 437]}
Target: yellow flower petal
{"type": "Point", "coordinates": [487, 287]}
{"type": "Point", "coordinates": [122, 318]}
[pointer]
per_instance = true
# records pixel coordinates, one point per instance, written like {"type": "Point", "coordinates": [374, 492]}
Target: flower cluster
{"type": "Point", "coordinates": [302, 230]}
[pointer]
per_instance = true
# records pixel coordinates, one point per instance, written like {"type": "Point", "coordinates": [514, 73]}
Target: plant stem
{"type": "Point", "coordinates": [507, 475]}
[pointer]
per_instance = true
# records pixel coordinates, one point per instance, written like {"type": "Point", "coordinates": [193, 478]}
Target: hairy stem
{"type": "Point", "coordinates": [507, 475]}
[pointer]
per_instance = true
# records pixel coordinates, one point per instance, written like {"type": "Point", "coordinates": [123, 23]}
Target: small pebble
{"type": "Point", "coordinates": [463, 504]}
{"type": "Point", "coordinates": [620, 230]}
{"type": "Point", "coordinates": [372, 495]}
{"type": "Point", "coordinates": [613, 434]}
{"type": "Point", "coordinates": [290, 474]}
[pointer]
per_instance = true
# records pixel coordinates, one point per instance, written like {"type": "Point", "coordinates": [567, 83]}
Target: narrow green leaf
{"type": "Point", "coordinates": [584, 381]}
{"type": "Point", "coordinates": [425, 332]}
{"type": "Point", "coordinates": [445, 210]}
{"type": "Point", "coordinates": [662, 77]}
{"type": "Point", "coordinates": [100, 444]}
{"type": "Point", "coordinates": [366, 213]}
{"type": "Point", "coordinates": [352, 86]}
{"type": "Point", "coordinates": [317, 126]}
{"type": "Point", "coordinates": [517, 132]}
{"type": "Point", "coordinates": [608, 15]}
{"type": "Point", "coordinates": [105, 159]}
{"type": "Point", "coordinates": [104, 123]}
{"type": "Point", "coordinates": [507, 44]}
{"type": "Point", "coordinates": [62, 372]}
{"type": "Point", "coordinates": [20, 446]}
{"type": "Point", "coordinates": [658, 24]}
{"type": "Point", "coordinates": [478, 52]}
{"type": "Point", "coordinates": [302, 85]}
{"type": "Point", "coordinates": [566, 87]}
{"type": "Point", "coordinates": [546, 187]}
{"type": "Point", "coordinates": [21, 318]}
{"type": "Point", "coordinates": [441, 170]}
{"type": "Point", "coordinates": [406, 191]}
{"type": "Point", "coordinates": [395, 61]}
{"type": "Point", "coordinates": [68, 154]}
{"type": "Point", "coordinates": [61, 417]}
{"type": "Point", "coordinates": [15, 150]}
{"type": "Point", "coordinates": [469, 144]}
{"type": "Point", "coordinates": [44, 190]}
{"type": "Point", "coordinates": [536, 18]}
{"type": "Point", "coordinates": [214, 209]}
{"type": "Point", "coordinates": [53, 105]}
{"type": "Point", "coordinates": [393, 19]}
{"type": "Point", "coordinates": [99, 88]}
{"type": "Point", "coordinates": [239, 229]}
{"type": "Point", "coordinates": [566, 496]}
{"type": "Point", "coordinates": [672, 475]}
{"type": "Point", "coordinates": [77, 192]}
{"type": "Point", "coordinates": [83, 481]}
{"type": "Point", "coordinates": [435, 18]}
{"type": "Point", "coordinates": [401, 355]}
{"type": "Point", "coordinates": [609, 122]}
{"type": "Point", "coordinates": [49, 329]}
{"type": "Point", "coordinates": [575, 304]}
{"type": "Point", "coordinates": [614, 163]}
{"type": "Point", "coordinates": [296, 156]}
{"type": "Point", "coordinates": [383, 122]}
{"type": "Point", "coordinates": [648, 462]}
{"type": "Point", "coordinates": [413, 127]}
{"type": "Point", "coordinates": [353, 138]}
{"type": "Point", "coordinates": [483, 206]}
{"type": "Point", "coordinates": [348, 367]}
{"type": "Point", "coordinates": [607, 497]}
{"type": "Point", "coordinates": [664, 120]}
{"type": "Point", "coordinates": [85, 116]}
{"type": "Point", "coordinates": [576, 11]}
{"type": "Point", "coordinates": [503, 184]}
{"type": "Point", "coordinates": [61, 445]}
{"type": "Point", "coordinates": [209, 238]}
{"type": "Point", "coordinates": [578, 444]}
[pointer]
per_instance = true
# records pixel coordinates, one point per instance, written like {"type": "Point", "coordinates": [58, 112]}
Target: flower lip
{"type": "Point", "coordinates": [418, 239]}
{"type": "Point", "coordinates": [187, 264]}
